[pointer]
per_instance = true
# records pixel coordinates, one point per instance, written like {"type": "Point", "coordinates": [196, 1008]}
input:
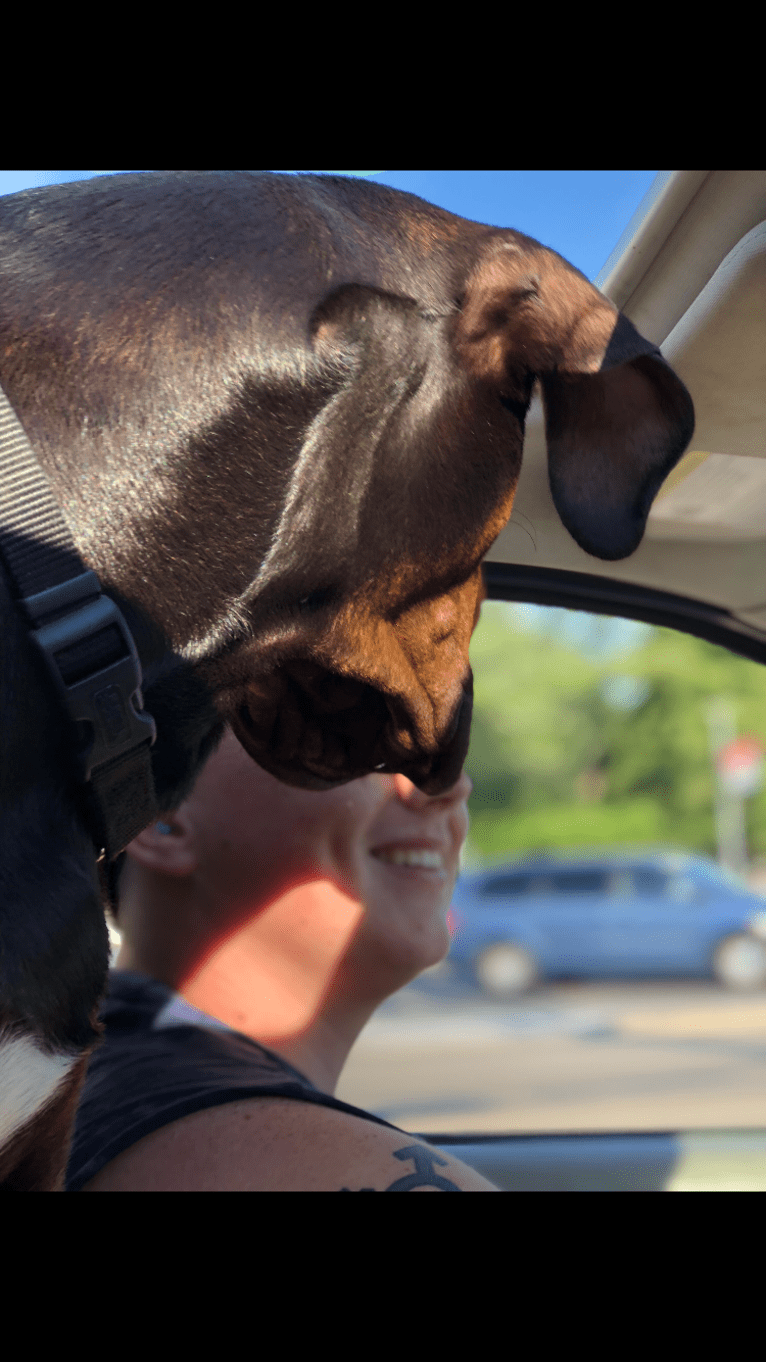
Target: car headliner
{"type": "Point", "coordinates": [690, 272]}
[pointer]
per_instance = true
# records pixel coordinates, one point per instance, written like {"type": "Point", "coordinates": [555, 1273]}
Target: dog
{"type": "Point", "coordinates": [283, 417]}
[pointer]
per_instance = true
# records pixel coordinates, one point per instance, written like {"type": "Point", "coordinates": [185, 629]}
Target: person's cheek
{"type": "Point", "coordinates": [462, 823]}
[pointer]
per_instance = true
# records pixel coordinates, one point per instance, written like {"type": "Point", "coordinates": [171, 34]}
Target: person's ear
{"type": "Point", "coordinates": [167, 846]}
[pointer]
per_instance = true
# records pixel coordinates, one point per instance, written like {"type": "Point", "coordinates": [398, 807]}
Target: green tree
{"type": "Point", "coordinates": [575, 747]}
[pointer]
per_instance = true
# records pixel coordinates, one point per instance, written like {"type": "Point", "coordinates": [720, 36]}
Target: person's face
{"type": "Point", "coordinates": [379, 839]}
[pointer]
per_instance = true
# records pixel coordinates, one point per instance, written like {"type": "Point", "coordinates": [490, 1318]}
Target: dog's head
{"type": "Point", "coordinates": [285, 418]}
{"type": "Point", "coordinates": [411, 475]}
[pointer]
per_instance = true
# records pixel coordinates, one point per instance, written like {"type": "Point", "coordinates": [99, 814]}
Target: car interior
{"type": "Point", "coordinates": [690, 272]}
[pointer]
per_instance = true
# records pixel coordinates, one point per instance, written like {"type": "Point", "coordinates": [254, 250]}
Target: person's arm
{"type": "Point", "coordinates": [278, 1145]}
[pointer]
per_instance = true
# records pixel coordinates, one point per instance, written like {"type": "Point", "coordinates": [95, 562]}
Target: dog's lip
{"type": "Point", "coordinates": [315, 757]}
{"type": "Point", "coordinates": [298, 775]}
{"type": "Point", "coordinates": [292, 767]}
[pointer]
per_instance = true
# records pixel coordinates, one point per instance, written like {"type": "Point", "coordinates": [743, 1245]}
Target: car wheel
{"type": "Point", "coordinates": [505, 970]}
{"type": "Point", "coordinates": [739, 962]}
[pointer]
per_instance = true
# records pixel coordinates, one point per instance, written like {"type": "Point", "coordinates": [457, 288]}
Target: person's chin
{"type": "Point", "coordinates": [423, 891]}
{"type": "Point", "coordinates": [411, 919]}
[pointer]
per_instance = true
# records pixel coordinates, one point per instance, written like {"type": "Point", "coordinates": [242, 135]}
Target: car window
{"type": "Point", "coordinates": [633, 999]}
{"type": "Point", "coordinates": [651, 882]}
{"type": "Point", "coordinates": [724, 876]}
{"type": "Point", "coordinates": [581, 882]}
{"type": "Point", "coordinates": [515, 886]}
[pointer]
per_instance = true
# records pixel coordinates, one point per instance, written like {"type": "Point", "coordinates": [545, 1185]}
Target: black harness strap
{"type": "Point", "coordinates": [86, 645]}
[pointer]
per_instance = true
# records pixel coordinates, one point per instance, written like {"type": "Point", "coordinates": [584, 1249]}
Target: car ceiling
{"type": "Point", "coordinates": [690, 272]}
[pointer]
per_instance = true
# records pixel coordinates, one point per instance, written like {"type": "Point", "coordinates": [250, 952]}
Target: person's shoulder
{"type": "Point", "coordinates": [275, 1144]}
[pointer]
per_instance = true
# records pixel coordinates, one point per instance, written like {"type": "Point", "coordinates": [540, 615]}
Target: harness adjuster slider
{"type": "Point", "coordinates": [92, 659]}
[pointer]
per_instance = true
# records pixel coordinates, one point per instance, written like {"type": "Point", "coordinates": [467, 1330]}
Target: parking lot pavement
{"type": "Point", "coordinates": [443, 1005]}
{"type": "Point", "coordinates": [584, 1055]}
{"type": "Point", "coordinates": [719, 1019]}
{"type": "Point", "coordinates": [468, 1023]}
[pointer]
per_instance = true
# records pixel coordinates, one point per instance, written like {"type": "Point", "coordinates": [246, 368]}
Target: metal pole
{"type": "Point", "coordinates": [729, 808]}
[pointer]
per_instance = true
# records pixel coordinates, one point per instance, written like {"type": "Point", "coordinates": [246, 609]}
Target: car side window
{"type": "Point", "coordinates": [650, 882]}
{"type": "Point", "coordinates": [622, 885]}
{"type": "Point", "coordinates": [684, 890]}
{"type": "Point", "coordinates": [581, 882]}
{"type": "Point", "coordinates": [516, 886]}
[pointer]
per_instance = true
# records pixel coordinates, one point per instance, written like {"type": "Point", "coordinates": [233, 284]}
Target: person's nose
{"type": "Point", "coordinates": [411, 795]}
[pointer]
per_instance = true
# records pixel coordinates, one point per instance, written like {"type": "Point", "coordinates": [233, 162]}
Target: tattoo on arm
{"type": "Point", "coordinates": [424, 1175]}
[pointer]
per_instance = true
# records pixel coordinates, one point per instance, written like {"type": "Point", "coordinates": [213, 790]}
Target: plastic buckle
{"type": "Point", "coordinates": [90, 654]}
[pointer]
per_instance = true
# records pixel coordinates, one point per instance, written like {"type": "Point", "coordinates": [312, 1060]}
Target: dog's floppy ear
{"type": "Point", "coordinates": [613, 437]}
{"type": "Point", "coordinates": [617, 418]}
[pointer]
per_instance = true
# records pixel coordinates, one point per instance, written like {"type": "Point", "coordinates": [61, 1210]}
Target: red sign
{"type": "Point", "coordinates": [746, 751]}
{"type": "Point", "coordinates": [740, 765]}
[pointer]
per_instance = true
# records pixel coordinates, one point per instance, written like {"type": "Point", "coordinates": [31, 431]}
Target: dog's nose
{"type": "Point", "coordinates": [438, 772]}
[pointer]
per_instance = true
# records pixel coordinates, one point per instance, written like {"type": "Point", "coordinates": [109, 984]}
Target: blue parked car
{"type": "Point", "coordinates": [626, 916]}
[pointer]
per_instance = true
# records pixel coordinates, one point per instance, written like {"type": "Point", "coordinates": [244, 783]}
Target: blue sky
{"type": "Point", "coordinates": [580, 213]}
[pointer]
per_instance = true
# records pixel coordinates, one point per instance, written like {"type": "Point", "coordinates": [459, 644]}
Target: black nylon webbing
{"type": "Point", "coordinates": [34, 537]}
{"type": "Point", "coordinates": [39, 553]}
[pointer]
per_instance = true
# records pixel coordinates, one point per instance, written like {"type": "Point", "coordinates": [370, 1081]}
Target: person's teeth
{"type": "Point", "coordinates": [430, 860]}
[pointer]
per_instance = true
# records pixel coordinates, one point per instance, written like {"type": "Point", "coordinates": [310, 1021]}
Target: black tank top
{"type": "Point", "coordinates": [162, 1059]}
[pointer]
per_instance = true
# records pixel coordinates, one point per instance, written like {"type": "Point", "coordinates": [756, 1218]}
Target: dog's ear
{"type": "Point", "coordinates": [617, 418]}
{"type": "Point", "coordinates": [613, 437]}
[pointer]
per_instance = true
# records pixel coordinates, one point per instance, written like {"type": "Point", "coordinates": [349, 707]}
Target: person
{"type": "Point", "coordinates": [261, 927]}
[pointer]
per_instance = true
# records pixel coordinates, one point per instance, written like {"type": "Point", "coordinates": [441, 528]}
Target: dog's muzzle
{"type": "Point", "coordinates": [316, 730]}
